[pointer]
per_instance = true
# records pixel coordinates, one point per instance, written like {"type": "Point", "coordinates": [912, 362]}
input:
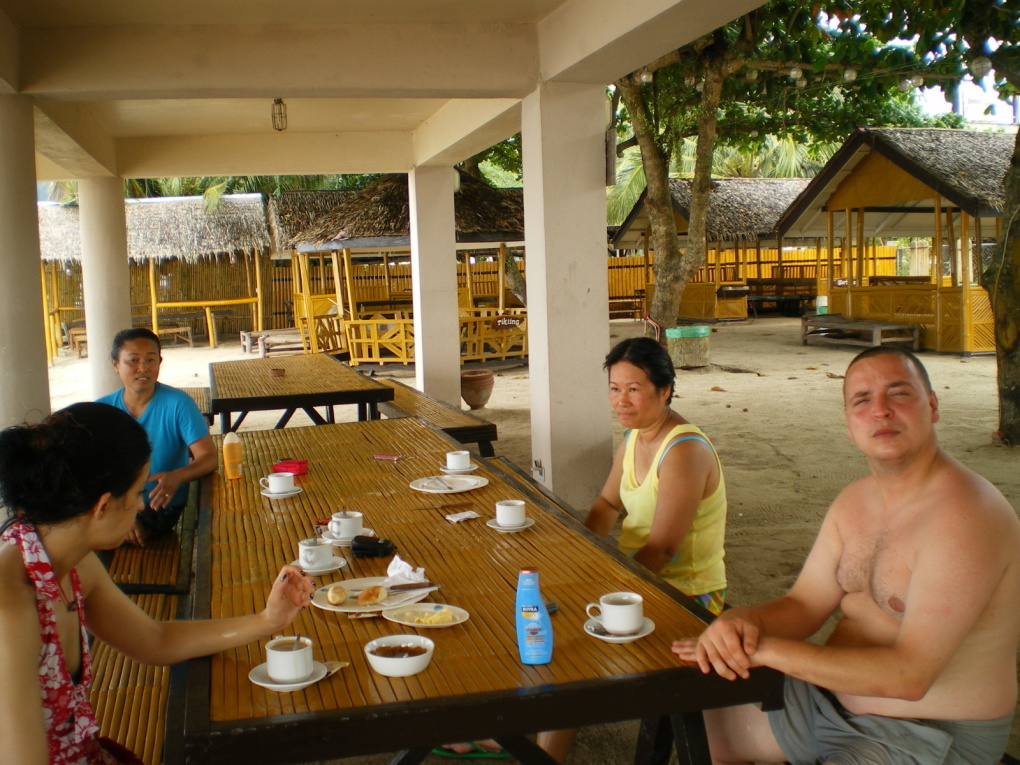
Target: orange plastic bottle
{"type": "Point", "coordinates": [233, 457]}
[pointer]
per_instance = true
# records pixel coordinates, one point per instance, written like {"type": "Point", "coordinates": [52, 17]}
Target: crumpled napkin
{"type": "Point", "coordinates": [400, 572]}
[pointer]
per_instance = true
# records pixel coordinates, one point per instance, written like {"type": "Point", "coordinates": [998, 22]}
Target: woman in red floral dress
{"type": "Point", "coordinates": [72, 485]}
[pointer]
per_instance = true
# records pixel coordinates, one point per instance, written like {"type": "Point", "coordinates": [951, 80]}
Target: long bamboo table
{"type": "Point", "coordinates": [308, 381]}
{"type": "Point", "coordinates": [475, 687]}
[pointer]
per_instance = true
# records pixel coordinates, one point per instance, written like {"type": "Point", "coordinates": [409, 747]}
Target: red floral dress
{"type": "Point", "coordinates": [71, 725]}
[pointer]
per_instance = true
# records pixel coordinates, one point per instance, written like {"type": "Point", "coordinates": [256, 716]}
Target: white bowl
{"type": "Point", "coordinates": [399, 667]}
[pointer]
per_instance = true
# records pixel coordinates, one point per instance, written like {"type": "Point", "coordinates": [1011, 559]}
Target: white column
{"type": "Point", "coordinates": [104, 272]}
{"type": "Point", "coordinates": [24, 379]}
{"type": "Point", "coordinates": [563, 129]}
{"type": "Point", "coordinates": [434, 276]}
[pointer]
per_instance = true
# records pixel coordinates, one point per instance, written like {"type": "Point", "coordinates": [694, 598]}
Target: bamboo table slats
{"type": "Point", "coordinates": [476, 685]}
{"type": "Point", "coordinates": [163, 565]}
{"type": "Point", "coordinates": [308, 381]}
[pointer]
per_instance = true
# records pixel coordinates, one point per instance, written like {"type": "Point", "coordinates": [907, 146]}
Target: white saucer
{"type": "Point", "coordinates": [458, 471]}
{"type": "Point", "coordinates": [282, 494]}
{"type": "Point", "coordinates": [528, 523]}
{"type": "Point", "coordinates": [260, 676]}
{"type": "Point", "coordinates": [338, 563]}
{"type": "Point", "coordinates": [329, 536]}
{"type": "Point", "coordinates": [646, 629]}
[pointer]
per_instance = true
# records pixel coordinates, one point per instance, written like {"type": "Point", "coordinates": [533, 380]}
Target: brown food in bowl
{"type": "Point", "coordinates": [399, 651]}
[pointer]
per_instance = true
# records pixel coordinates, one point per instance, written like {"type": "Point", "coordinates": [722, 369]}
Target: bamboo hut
{"type": "Point", "coordinates": [189, 266]}
{"type": "Point", "coordinates": [363, 244]}
{"type": "Point", "coordinates": [743, 214]}
{"type": "Point", "coordinates": [941, 185]}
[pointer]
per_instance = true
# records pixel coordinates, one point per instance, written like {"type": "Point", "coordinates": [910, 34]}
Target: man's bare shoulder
{"type": "Point", "coordinates": [958, 498]}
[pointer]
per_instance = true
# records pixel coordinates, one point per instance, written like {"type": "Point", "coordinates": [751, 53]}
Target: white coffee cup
{"type": "Point", "coordinates": [287, 663]}
{"type": "Point", "coordinates": [278, 483]}
{"type": "Point", "coordinates": [621, 613]}
{"type": "Point", "coordinates": [346, 525]}
{"type": "Point", "coordinates": [315, 553]}
{"type": "Point", "coordinates": [458, 460]}
{"type": "Point", "coordinates": [511, 512]}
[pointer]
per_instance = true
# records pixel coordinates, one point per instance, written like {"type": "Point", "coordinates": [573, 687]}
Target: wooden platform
{"type": "Point", "coordinates": [840, 329]}
{"type": "Point", "coordinates": [465, 427]}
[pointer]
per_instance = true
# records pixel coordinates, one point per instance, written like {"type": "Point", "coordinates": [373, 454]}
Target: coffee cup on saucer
{"type": "Point", "coordinates": [289, 659]}
{"type": "Point", "coordinates": [460, 460]}
{"type": "Point", "coordinates": [346, 524]}
{"type": "Point", "coordinates": [278, 483]}
{"type": "Point", "coordinates": [315, 553]}
{"type": "Point", "coordinates": [621, 613]}
{"type": "Point", "coordinates": [511, 513]}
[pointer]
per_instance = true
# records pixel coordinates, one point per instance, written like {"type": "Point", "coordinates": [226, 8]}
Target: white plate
{"type": "Point", "coordinates": [457, 483]}
{"type": "Point", "coordinates": [407, 615]}
{"type": "Point", "coordinates": [345, 541]}
{"type": "Point", "coordinates": [283, 494]}
{"type": "Point", "coordinates": [260, 676]}
{"type": "Point", "coordinates": [646, 629]}
{"type": "Point", "coordinates": [458, 471]}
{"type": "Point", "coordinates": [528, 523]}
{"type": "Point", "coordinates": [338, 563]}
{"type": "Point", "coordinates": [350, 606]}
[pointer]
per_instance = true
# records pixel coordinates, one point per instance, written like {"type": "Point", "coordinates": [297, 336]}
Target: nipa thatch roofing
{"type": "Point", "coordinates": [164, 228]}
{"type": "Point", "coordinates": [739, 209]}
{"type": "Point", "coordinates": [378, 216]}
{"type": "Point", "coordinates": [293, 211]}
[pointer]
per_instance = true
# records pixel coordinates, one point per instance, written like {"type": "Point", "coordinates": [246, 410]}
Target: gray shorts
{"type": "Point", "coordinates": [815, 728]}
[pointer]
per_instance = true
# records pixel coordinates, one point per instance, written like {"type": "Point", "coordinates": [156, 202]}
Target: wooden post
{"type": "Point", "coordinates": [48, 341]}
{"type": "Point", "coordinates": [152, 293]}
{"type": "Point", "coordinates": [954, 266]}
{"type": "Point", "coordinates": [260, 316]}
{"type": "Point", "coordinates": [862, 248]}
{"type": "Point", "coordinates": [501, 271]}
{"type": "Point", "coordinates": [966, 264]}
{"type": "Point", "coordinates": [830, 250]}
{"type": "Point", "coordinates": [936, 250]}
{"type": "Point", "coordinates": [352, 301]}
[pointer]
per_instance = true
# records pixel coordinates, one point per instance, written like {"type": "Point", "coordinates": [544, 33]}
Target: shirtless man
{"type": "Point", "coordinates": [922, 560]}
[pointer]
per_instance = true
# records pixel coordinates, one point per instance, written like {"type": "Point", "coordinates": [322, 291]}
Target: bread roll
{"type": "Point", "coordinates": [372, 595]}
{"type": "Point", "coordinates": [336, 594]}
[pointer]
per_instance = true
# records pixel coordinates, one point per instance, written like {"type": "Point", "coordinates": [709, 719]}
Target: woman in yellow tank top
{"type": "Point", "coordinates": [666, 476]}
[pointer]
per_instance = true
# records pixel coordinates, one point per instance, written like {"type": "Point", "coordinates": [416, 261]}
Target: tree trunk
{"type": "Point", "coordinates": [701, 185]}
{"type": "Point", "coordinates": [515, 279]}
{"type": "Point", "coordinates": [1002, 280]}
{"type": "Point", "coordinates": [659, 203]}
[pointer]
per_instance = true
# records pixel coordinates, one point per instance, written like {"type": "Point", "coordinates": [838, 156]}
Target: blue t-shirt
{"type": "Point", "coordinates": [173, 422]}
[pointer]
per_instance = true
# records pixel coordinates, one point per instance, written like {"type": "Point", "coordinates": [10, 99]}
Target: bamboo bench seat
{"type": "Point", "coordinates": [201, 398]}
{"type": "Point", "coordinates": [464, 427]}
{"type": "Point", "coordinates": [270, 342]}
{"type": "Point", "coordinates": [130, 699]}
{"type": "Point", "coordinates": [162, 566]}
{"type": "Point", "coordinates": [839, 329]}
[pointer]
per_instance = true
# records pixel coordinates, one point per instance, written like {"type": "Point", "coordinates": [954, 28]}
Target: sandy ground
{"type": "Point", "coordinates": [773, 409]}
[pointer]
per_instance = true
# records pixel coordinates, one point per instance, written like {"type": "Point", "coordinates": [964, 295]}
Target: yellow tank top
{"type": "Point", "coordinates": [698, 566]}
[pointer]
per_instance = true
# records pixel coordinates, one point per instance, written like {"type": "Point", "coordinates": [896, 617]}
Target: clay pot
{"type": "Point", "coordinates": [476, 387]}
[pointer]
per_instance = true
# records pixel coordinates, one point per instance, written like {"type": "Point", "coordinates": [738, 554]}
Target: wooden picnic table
{"type": "Point", "coordinates": [476, 686]}
{"type": "Point", "coordinates": [308, 381]}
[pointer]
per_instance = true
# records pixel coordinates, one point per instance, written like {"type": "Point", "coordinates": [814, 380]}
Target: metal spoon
{"type": "Point", "coordinates": [298, 642]}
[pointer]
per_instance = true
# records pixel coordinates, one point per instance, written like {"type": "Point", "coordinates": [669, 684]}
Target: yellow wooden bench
{"type": "Point", "coordinates": [464, 427]}
{"type": "Point", "coordinates": [201, 398]}
{"type": "Point", "coordinates": [130, 699]}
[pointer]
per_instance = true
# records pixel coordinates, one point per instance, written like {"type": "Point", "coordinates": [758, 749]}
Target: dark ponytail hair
{"type": "Point", "coordinates": [58, 469]}
{"type": "Point", "coordinates": [649, 356]}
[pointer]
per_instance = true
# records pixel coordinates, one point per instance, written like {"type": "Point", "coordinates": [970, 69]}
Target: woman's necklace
{"type": "Point", "coordinates": [70, 605]}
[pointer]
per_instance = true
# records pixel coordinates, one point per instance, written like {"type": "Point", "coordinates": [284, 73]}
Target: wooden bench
{"type": "Point", "coordinates": [464, 427]}
{"type": "Point", "coordinates": [130, 699]}
{"type": "Point", "coordinates": [840, 329]}
{"type": "Point", "coordinates": [78, 339]}
{"type": "Point", "coordinates": [201, 398]}
{"type": "Point", "coordinates": [273, 342]}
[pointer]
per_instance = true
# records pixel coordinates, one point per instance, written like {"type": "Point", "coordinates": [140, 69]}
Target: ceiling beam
{"type": "Point", "coordinates": [462, 128]}
{"type": "Point", "coordinates": [280, 154]}
{"type": "Point", "coordinates": [68, 136]}
{"type": "Point", "coordinates": [10, 48]}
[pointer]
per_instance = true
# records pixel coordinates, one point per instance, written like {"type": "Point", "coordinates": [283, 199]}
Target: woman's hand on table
{"type": "Point", "coordinates": [292, 591]}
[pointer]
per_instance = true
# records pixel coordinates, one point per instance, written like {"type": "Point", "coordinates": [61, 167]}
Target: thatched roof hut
{"type": "Point", "coordinates": [292, 212]}
{"type": "Point", "coordinates": [897, 173]}
{"type": "Point", "coordinates": [739, 210]}
{"type": "Point", "coordinates": [377, 217]}
{"type": "Point", "coordinates": [167, 227]}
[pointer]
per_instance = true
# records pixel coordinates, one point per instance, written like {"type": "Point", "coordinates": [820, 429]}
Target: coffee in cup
{"type": "Point", "coordinates": [314, 553]}
{"type": "Point", "coordinates": [458, 460]}
{"type": "Point", "coordinates": [511, 513]}
{"type": "Point", "coordinates": [621, 613]}
{"type": "Point", "coordinates": [278, 483]}
{"type": "Point", "coordinates": [289, 659]}
{"type": "Point", "coordinates": [346, 524]}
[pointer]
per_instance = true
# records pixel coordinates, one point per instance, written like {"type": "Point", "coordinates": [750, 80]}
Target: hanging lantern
{"type": "Point", "coordinates": [849, 75]}
{"type": "Point", "coordinates": [796, 73]}
{"type": "Point", "coordinates": [645, 76]}
{"type": "Point", "coordinates": [979, 67]}
{"type": "Point", "coordinates": [801, 83]}
{"type": "Point", "coordinates": [917, 80]}
{"type": "Point", "coordinates": [279, 114]}
{"type": "Point", "coordinates": [905, 86]}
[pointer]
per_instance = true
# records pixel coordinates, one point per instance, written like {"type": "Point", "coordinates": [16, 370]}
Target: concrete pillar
{"type": "Point", "coordinates": [24, 379]}
{"type": "Point", "coordinates": [434, 276]}
{"type": "Point", "coordinates": [104, 273]}
{"type": "Point", "coordinates": [563, 134]}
